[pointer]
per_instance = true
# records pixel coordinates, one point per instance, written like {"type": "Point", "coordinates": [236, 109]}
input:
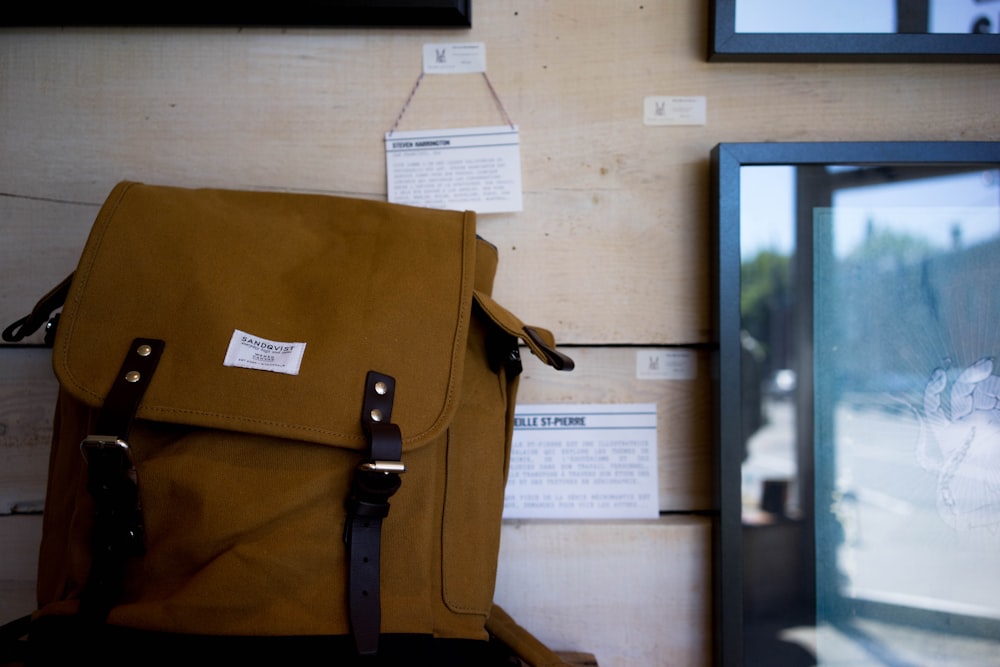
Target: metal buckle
{"type": "Point", "coordinates": [101, 443]}
{"type": "Point", "coordinates": [383, 466]}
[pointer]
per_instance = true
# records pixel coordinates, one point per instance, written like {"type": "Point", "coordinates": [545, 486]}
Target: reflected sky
{"type": "Point", "coordinates": [861, 16]}
{"type": "Point", "coordinates": [864, 16]}
{"type": "Point", "coordinates": [930, 209]}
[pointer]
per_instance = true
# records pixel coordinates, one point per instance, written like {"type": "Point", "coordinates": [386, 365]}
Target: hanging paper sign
{"type": "Point", "coordinates": [469, 169]}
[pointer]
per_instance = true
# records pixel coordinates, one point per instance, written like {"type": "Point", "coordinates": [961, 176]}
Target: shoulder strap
{"type": "Point", "coordinates": [39, 315]}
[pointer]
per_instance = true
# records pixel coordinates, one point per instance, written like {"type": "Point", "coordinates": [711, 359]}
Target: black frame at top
{"type": "Point", "coordinates": [725, 44]}
{"type": "Point", "coordinates": [298, 13]}
{"type": "Point", "coordinates": [727, 159]}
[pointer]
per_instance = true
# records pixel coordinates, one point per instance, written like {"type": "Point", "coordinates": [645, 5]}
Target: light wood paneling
{"type": "Point", "coordinates": [27, 401]}
{"type": "Point", "coordinates": [608, 375]}
{"type": "Point", "coordinates": [612, 244]}
{"type": "Point", "coordinates": [630, 593]}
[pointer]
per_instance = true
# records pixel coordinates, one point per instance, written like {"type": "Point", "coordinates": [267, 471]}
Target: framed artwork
{"type": "Point", "coordinates": [299, 13]}
{"type": "Point", "coordinates": [858, 403]}
{"type": "Point", "coordinates": [855, 30]}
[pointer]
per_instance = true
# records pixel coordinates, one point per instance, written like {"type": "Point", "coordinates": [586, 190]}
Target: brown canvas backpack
{"type": "Point", "coordinates": [280, 417]}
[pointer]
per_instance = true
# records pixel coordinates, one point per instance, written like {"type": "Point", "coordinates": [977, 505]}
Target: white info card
{"type": "Point", "coordinates": [583, 462]}
{"type": "Point", "coordinates": [468, 169]}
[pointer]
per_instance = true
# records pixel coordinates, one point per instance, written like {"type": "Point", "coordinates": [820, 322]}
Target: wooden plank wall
{"type": "Point", "coordinates": [610, 252]}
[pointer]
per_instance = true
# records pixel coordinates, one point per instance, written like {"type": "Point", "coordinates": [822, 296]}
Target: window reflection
{"type": "Point", "coordinates": [871, 385]}
{"type": "Point", "coordinates": [868, 16]}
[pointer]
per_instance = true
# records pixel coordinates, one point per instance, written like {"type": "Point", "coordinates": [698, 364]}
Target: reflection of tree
{"type": "Point", "coordinates": [885, 310]}
{"type": "Point", "coordinates": [765, 304]}
{"type": "Point", "coordinates": [883, 246]}
{"type": "Point", "coordinates": [902, 307]}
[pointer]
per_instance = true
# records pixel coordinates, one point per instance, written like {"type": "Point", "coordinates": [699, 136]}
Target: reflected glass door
{"type": "Point", "coordinates": [871, 393]}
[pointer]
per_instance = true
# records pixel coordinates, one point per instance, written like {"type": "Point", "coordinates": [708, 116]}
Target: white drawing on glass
{"type": "Point", "coordinates": [960, 443]}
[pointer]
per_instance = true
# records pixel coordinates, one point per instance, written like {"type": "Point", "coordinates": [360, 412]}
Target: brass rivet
{"type": "Point", "coordinates": [144, 350]}
{"type": "Point", "coordinates": [376, 415]}
{"type": "Point", "coordinates": [132, 376]}
{"type": "Point", "coordinates": [381, 388]}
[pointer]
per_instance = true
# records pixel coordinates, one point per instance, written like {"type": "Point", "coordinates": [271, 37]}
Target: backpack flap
{"type": "Point", "coordinates": [273, 307]}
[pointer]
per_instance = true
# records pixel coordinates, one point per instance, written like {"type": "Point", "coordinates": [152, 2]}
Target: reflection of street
{"type": "Point", "coordinates": [897, 545]}
{"type": "Point", "coordinates": [897, 551]}
{"type": "Point", "coordinates": [771, 452]}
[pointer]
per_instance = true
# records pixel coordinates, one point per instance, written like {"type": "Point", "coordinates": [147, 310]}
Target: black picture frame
{"type": "Point", "coordinates": [876, 161]}
{"type": "Point", "coordinates": [299, 13]}
{"type": "Point", "coordinates": [728, 45]}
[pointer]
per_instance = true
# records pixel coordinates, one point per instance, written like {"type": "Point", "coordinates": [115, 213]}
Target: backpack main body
{"type": "Point", "coordinates": [243, 467]}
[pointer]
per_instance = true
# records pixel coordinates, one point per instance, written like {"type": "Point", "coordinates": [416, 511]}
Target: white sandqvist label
{"type": "Point", "coordinates": [249, 351]}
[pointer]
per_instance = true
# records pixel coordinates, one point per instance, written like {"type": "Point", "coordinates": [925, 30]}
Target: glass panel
{"type": "Point", "coordinates": [877, 457]}
{"type": "Point", "coordinates": [778, 600]}
{"type": "Point", "coordinates": [868, 16]}
{"type": "Point", "coordinates": [964, 17]}
{"type": "Point", "coordinates": [767, 245]}
{"type": "Point", "coordinates": [816, 16]}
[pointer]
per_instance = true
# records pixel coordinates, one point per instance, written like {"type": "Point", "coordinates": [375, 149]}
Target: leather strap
{"type": "Point", "coordinates": [111, 481]}
{"type": "Point", "coordinates": [554, 357]}
{"type": "Point", "coordinates": [40, 315]}
{"type": "Point", "coordinates": [375, 480]}
{"type": "Point", "coordinates": [130, 385]}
